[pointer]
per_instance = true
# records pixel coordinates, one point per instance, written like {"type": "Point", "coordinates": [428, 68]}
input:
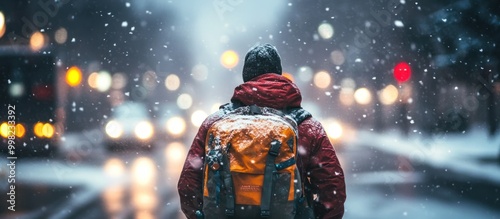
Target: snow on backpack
{"type": "Point", "coordinates": [250, 166]}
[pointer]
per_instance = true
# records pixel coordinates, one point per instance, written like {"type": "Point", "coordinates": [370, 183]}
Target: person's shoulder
{"type": "Point", "coordinates": [213, 117]}
{"type": "Point", "coordinates": [310, 121]}
{"type": "Point", "coordinates": [311, 127]}
{"type": "Point", "coordinates": [299, 114]}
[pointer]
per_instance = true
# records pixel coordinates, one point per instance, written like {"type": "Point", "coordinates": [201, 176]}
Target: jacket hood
{"type": "Point", "coordinates": [268, 90]}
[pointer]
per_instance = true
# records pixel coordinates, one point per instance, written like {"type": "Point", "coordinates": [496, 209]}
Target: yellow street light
{"type": "Point", "coordinates": [322, 79]}
{"type": "Point", "coordinates": [2, 24]}
{"type": "Point", "coordinates": [37, 41]}
{"type": "Point", "coordinates": [73, 76]}
{"type": "Point", "coordinates": [229, 59]}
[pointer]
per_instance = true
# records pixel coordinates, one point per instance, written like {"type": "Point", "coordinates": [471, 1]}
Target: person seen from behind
{"type": "Point", "coordinates": [265, 86]}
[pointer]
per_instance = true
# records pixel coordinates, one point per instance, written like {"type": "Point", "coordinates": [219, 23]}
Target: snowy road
{"type": "Point", "coordinates": [98, 184]}
{"type": "Point", "coordinates": [382, 185]}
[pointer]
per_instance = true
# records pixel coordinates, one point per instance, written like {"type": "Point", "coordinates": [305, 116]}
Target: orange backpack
{"type": "Point", "coordinates": [250, 165]}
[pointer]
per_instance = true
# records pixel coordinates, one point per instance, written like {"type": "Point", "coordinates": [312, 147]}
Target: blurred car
{"type": "Point", "coordinates": [30, 120]}
{"type": "Point", "coordinates": [172, 124]}
{"type": "Point", "coordinates": [129, 127]}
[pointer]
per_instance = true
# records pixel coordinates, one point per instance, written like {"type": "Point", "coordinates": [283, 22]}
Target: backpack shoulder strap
{"type": "Point", "coordinates": [230, 106]}
{"type": "Point", "coordinates": [298, 114]}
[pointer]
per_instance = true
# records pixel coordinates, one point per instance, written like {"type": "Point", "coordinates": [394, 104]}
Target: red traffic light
{"type": "Point", "coordinates": [402, 72]}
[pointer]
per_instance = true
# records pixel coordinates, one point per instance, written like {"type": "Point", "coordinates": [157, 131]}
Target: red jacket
{"type": "Point", "coordinates": [319, 160]}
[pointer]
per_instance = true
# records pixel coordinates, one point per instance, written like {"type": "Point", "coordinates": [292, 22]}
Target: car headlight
{"type": "Point", "coordinates": [114, 129]}
{"type": "Point", "coordinates": [20, 130]}
{"type": "Point", "coordinates": [43, 130]}
{"type": "Point", "coordinates": [4, 130]}
{"type": "Point", "coordinates": [144, 130]}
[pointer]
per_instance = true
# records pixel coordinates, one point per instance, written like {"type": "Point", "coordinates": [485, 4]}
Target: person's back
{"type": "Point", "coordinates": [265, 87]}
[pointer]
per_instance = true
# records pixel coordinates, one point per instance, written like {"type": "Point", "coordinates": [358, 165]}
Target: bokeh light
{"type": "Point", "coordinates": [3, 27]}
{"type": "Point", "coordinates": [143, 171]}
{"type": "Point", "coordinates": [144, 130]}
{"type": "Point", "coordinates": [363, 96]}
{"type": "Point", "coordinates": [172, 82]}
{"type": "Point", "coordinates": [325, 30]}
{"type": "Point", "coordinates": [337, 57]}
{"type": "Point", "coordinates": [175, 153]}
{"type": "Point", "coordinates": [184, 101]}
{"type": "Point", "coordinates": [199, 72]}
{"type": "Point", "coordinates": [388, 95]}
{"type": "Point", "coordinates": [73, 76]}
{"type": "Point", "coordinates": [305, 73]}
{"type": "Point", "coordinates": [114, 129]}
{"type": "Point", "coordinates": [4, 130]}
{"type": "Point", "coordinates": [289, 76]}
{"type": "Point", "coordinates": [37, 41]}
{"type": "Point", "coordinates": [176, 126]}
{"type": "Point", "coordinates": [119, 81]}
{"type": "Point", "coordinates": [61, 35]}
{"type": "Point", "coordinates": [16, 89]}
{"type": "Point", "coordinates": [37, 129]}
{"type": "Point", "coordinates": [92, 79]}
{"type": "Point", "coordinates": [215, 107]}
{"type": "Point", "coordinates": [145, 203]}
{"type": "Point", "coordinates": [104, 81]}
{"type": "Point", "coordinates": [116, 97]}
{"type": "Point", "coordinates": [229, 59]}
{"type": "Point", "coordinates": [402, 72]}
{"type": "Point", "coordinates": [149, 80]}
{"type": "Point", "coordinates": [114, 167]}
{"type": "Point", "coordinates": [20, 130]}
{"type": "Point", "coordinates": [113, 198]}
{"type": "Point", "coordinates": [322, 79]}
{"type": "Point", "coordinates": [48, 130]}
{"type": "Point", "coordinates": [346, 97]}
{"type": "Point", "coordinates": [43, 130]}
{"type": "Point", "coordinates": [348, 83]}
{"type": "Point", "coordinates": [333, 129]}
{"type": "Point", "coordinates": [198, 117]}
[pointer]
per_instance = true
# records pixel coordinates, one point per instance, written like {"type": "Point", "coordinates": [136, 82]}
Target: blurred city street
{"type": "Point", "coordinates": [381, 183]}
{"type": "Point", "coordinates": [100, 100]}
{"type": "Point", "coordinates": [95, 183]}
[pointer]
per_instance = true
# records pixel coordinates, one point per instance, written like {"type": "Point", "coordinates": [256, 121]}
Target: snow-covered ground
{"type": "Point", "coordinates": [466, 153]}
{"type": "Point", "coordinates": [402, 192]}
{"type": "Point", "coordinates": [372, 204]}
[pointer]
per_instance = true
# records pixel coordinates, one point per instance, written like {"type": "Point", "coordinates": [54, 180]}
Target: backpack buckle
{"type": "Point", "coordinates": [255, 110]}
{"type": "Point", "coordinates": [275, 148]}
{"type": "Point", "coordinates": [265, 213]}
{"type": "Point", "coordinates": [230, 212]}
{"type": "Point", "coordinates": [199, 214]}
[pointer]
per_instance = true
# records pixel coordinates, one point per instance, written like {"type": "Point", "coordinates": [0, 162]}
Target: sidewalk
{"type": "Point", "coordinates": [472, 155]}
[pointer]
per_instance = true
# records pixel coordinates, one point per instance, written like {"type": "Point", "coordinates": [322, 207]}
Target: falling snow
{"type": "Point", "coordinates": [425, 142]}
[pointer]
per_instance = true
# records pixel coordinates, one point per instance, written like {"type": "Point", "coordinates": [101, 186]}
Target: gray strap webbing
{"type": "Point", "coordinates": [265, 204]}
{"type": "Point", "coordinates": [228, 183]}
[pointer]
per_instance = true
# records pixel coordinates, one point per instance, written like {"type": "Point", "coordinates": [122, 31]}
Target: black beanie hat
{"type": "Point", "coordinates": [261, 59]}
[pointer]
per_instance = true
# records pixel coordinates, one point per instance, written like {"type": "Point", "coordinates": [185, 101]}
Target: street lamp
{"type": "Point", "coordinates": [73, 76]}
{"type": "Point", "coordinates": [229, 59]}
